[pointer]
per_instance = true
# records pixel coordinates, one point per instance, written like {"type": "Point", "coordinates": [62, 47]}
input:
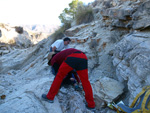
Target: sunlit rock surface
{"type": "Point", "coordinates": [117, 45]}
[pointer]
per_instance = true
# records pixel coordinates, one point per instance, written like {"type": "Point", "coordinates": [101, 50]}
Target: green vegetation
{"type": "Point", "coordinates": [84, 14]}
{"type": "Point", "coordinates": [60, 32]}
{"type": "Point", "coordinates": [68, 14]}
{"type": "Point", "coordinates": [77, 11]}
{"type": "Point", "coordinates": [57, 35]}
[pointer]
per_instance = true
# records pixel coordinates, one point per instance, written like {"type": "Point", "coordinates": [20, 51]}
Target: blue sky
{"type": "Point", "coordinates": [33, 11]}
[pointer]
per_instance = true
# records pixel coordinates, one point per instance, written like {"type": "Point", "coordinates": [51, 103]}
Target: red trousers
{"type": "Point", "coordinates": [64, 69]}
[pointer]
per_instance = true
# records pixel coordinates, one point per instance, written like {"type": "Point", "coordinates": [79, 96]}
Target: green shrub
{"type": "Point", "coordinates": [59, 34]}
{"type": "Point", "coordinates": [66, 26]}
{"type": "Point", "coordinates": [84, 14]}
{"type": "Point", "coordinates": [68, 14]}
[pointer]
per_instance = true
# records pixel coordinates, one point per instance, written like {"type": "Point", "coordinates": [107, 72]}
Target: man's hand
{"type": "Point", "coordinates": [54, 48]}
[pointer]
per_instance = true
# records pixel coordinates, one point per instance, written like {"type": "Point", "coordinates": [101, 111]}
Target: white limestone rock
{"type": "Point", "coordinates": [107, 89]}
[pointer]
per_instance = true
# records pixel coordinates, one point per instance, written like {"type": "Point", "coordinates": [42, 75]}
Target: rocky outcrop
{"type": "Point", "coordinates": [141, 19]}
{"type": "Point", "coordinates": [120, 20]}
{"type": "Point", "coordinates": [131, 47]}
{"type": "Point", "coordinates": [27, 99]}
{"type": "Point", "coordinates": [72, 31]}
{"type": "Point", "coordinates": [128, 14]}
{"type": "Point", "coordinates": [19, 29]}
{"type": "Point", "coordinates": [131, 58]}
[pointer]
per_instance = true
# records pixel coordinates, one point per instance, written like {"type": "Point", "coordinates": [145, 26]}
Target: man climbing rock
{"type": "Point", "coordinates": [71, 78]}
{"type": "Point", "coordinates": [59, 45]}
{"type": "Point", "coordinates": [68, 60]}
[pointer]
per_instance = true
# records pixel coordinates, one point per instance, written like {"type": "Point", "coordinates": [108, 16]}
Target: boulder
{"type": "Point", "coordinates": [19, 30]}
{"type": "Point", "coordinates": [115, 13]}
{"type": "Point", "coordinates": [107, 89]}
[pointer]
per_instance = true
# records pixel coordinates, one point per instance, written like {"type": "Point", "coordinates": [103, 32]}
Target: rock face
{"type": "Point", "coordinates": [131, 51]}
{"type": "Point", "coordinates": [131, 59]}
{"type": "Point", "coordinates": [141, 16]}
{"type": "Point", "coordinates": [28, 100]}
{"type": "Point", "coordinates": [117, 44]}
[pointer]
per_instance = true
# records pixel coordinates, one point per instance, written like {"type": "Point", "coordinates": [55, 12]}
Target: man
{"type": "Point", "coordinates": [59, 45]}
{"type": "Point", "coordinates": [68, 60]}
{"type": "Point", "coordinates": [71, 77]}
